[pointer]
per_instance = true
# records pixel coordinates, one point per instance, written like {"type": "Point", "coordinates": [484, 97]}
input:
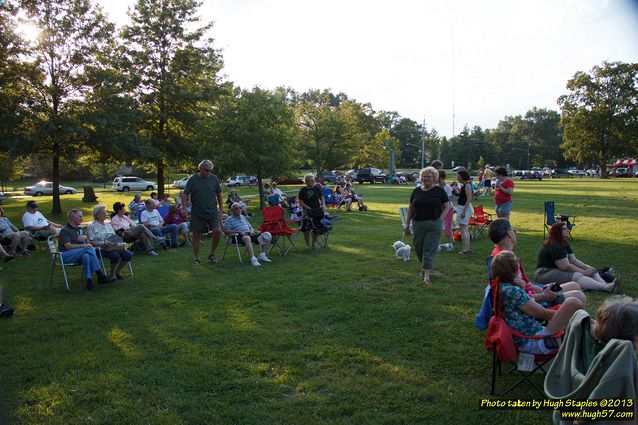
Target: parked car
{"type": "Point", "coordinates": [458, 168]}
{"type": "Point", "coordinates": [532, 175]}
{"type": "Point", "coordinates": [181, 183]}
{"type": "Point", "coordinates": [238, 181]}
{"type": "Point", "coordinates": [577, 173]}
{"type": "Point", "coordinates": [128, 183]}
{"type": "Point", "coordinates": [371, 175]}
{"type": "Point", "coordinates": [351, 173]}
{"type": "Point", "coordinates": [621, 172]}
{"type": "Point", "coordinates": [329, 177]}
{"type": "Point", "coordinates": [46, 188]}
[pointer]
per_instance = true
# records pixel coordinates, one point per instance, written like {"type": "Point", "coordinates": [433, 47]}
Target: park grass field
{"type": "Point", "coordinates": [348, 335]}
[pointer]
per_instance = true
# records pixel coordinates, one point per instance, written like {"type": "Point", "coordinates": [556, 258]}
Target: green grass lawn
{"type": "Point", "coordinates": [344, 336]}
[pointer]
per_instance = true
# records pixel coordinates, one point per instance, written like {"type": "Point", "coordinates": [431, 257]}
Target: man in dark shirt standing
{"type": "Point", "coordinates": [75, 247]}
{"type": "Point", "coordinates": [206, 195]}
{"type": "Point", "coordinates": [310, 197]}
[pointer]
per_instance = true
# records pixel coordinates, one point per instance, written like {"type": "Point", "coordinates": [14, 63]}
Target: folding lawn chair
{"type": "Point", "coordinates": [403, 214]}
{"type": "Point", "coordinates": [56, 256]}
{"type": "Point", "coordinates": [479, 221]}
{"type": "Point", "coordinates": [274, 222]}
{"type": "Point", "coordinates": [499, 340]}
{"type": "Point", "coordinates": [314, 220]}
{"type": "Point", "coordinates": [551, 217]}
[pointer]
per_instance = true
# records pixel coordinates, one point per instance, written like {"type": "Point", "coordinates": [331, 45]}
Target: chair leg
{"type": "Point", "coordinates": [66, 279]}
{"type": "Point", "coordinates": [495, 365]}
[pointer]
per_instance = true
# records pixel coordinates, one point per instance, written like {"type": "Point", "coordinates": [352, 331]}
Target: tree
{"type": "Point", "coordinates": [329, 132]}
{"type": "Point", "coordinates": [600, 114]}
{"type": "Point", "coordinates": [256, 134]}
{"type": "Point", "coordinates": [175, 74]}
{"type": "Point", "coordinates": [72, 33]}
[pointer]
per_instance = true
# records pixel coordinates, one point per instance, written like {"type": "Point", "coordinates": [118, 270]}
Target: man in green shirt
{"type": "Point", "coordinates": [205, 194]}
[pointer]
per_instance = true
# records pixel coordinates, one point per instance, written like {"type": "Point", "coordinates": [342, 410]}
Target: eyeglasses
{"type": "Point", "coordinates": [208, 170]}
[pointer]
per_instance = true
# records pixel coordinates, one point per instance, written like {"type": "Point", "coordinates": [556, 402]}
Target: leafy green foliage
{"type": "Point", "coordinates": [600, 114]}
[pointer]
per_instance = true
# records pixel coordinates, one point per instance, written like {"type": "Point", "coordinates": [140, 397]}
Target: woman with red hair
{"type": "Point", "coordinates": [557, 263]}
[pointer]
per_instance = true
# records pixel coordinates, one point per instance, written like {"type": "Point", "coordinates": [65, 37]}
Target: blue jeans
{"type": "Point", "coordinates": [86, 256]}
{"type": "Point", "coordinates": [169, 228]}
{"type": "Point", "coordinates": [117, 256]}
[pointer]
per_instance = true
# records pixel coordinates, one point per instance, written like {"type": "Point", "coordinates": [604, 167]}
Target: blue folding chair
{"type": "Point", "coordinates": [551, 217]}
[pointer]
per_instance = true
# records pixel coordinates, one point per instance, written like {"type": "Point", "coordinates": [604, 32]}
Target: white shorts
{"type": "Point", "coordinates": [468, 214]}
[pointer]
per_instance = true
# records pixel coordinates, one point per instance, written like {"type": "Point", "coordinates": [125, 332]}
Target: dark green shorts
{"type": "Point", "coordinates": [202, 225]}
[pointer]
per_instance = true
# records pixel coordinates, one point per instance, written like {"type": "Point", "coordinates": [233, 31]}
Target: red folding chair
{"type": "Point", "coordinates": [479, 221]}
{"type": "Point", "coordinates": [283, 236]}
{"type": "Point", "coordinates": [499, 340]}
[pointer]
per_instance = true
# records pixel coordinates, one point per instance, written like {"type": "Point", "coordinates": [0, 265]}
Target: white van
{"type": "Point", "coordinates": [127, 183]}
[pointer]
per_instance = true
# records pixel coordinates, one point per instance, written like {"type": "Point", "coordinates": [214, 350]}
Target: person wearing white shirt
{"type": "Point", "coordinates": [152, 219]}
{"type": "Point", "coordinates": [36, 224]}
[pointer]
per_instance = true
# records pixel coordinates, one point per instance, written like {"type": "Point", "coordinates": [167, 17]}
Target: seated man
{"type": "Point", "coordinates": [234, 197]}
{"type": "Point", "coordinates": [503, 236]}
{"type": "Point", "coordinates": [152, 219]}
{"type": "Point", "coordinates": [10, 234]}
{"type": "Point", "coordinates": [75, 247]}
{"type": "Point", "coordinates": [136, 205]}
{"type": "Point", "coordinates": [238, 224]}
{"type": "Point", "coordinates": [37, 225]}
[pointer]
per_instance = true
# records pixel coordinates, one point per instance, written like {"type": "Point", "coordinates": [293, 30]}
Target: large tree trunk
{"type": "Point", "coordinates": [160, 179]}
{"type": "Point", "coordinates": [56, 207]}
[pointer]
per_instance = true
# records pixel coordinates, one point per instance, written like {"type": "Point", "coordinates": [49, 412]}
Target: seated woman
{"type": "Point", "coordinates": [10, 234]}
{"type": "Point", "coordinates": [234, 197]}
{"type": "Point", "coordinates": [350, 193]}
{"type": "Point", "coordinates": [295, 208]}
{"type": "Point", "coordinates": [341, 198]}
{"type": "Point", "coordinates": [99, 232]}
{"type": "Point", "coordinates": [282, 196]}
{"type": "Point", "coordinates": [557, 263]}
{"type": "Point", "coordinates": [178, 217]}
{"type": "Point", "coordinates": [520, 311]}
{"type": "Point", "coordinates": [125, 228]}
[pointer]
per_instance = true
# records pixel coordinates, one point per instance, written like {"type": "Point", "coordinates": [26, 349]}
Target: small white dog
{"type": "Point", "coordinates": [402, 250]}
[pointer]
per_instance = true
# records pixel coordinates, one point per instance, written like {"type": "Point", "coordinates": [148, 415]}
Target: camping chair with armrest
{"type": "Point", "coordinates": [330, 199]}
{"type": "Point", "coordinates": [551, 217]}
{"type": "Point", "coordinates": [499, 340]}
{"type": "Point", "coordinates": [314, 220]}
{"type": "Point", "coordinates": [56, 256]}
{"type": "Point", "coordinates": [274, 222]}
{"type": "Point", "coordinates": [479, 221]}
{"type": "Point", "coordinates": [578, 374]}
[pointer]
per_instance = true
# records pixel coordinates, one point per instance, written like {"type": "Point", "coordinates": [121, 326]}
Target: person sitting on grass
{"type": "Point", "coordinates": [504, 238]}
{"type": "Point", "coordinates": [152, 219]}
{"type": "Point", "coordinates": [237, 224]}
{"type": "Point", "coordinates": [99, 232]}
{"type": "Point", "coordinates": [13, 236]}
{"type": "Point", "coordinates": [37, 225]}
{"type": "Point", "coordinates": [75, 248]}
{"type": "Point", "coordinates": [521, 312]}
{"type": "Point", "coordinates": [125, 228]}
{"type": "Point", "coordinates": [557, 263]}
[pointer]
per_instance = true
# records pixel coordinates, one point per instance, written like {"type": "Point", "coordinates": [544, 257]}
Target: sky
{"type": "Point", "coordinates": [448, 63]}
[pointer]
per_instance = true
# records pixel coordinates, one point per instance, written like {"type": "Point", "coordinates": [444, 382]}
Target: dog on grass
{"type": "Point", "coordinates": [402, 250]}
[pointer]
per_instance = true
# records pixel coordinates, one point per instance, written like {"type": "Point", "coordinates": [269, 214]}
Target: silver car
{"type": "Point", "coordinates": [46, 188]}
{"type": "Point", "coordinates": [181, 183]}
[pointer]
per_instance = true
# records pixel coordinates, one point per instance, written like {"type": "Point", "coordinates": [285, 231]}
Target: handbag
{"type": "Point", "coordinates": [499, 337]}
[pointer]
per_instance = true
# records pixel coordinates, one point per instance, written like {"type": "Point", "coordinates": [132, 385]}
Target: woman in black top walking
{"type": "Point", "coordinates": [464, 209]}
{"type": "Point", "coordinates": [428, 205]}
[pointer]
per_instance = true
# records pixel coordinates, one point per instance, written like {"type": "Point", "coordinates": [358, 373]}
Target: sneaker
{"type": "Point", "coordinates": [213, 259]}
{"type": "Point", "coordinates": [263, 257]}
{"type": "Point", "coordinates": [5, 310]}
{"type": "Point", "coordinates": [255, 262]}
{"type": "Point", "coordinates": [196, 261]}
{"type": "Point", "coordinates": [106, 280]}
{"type": "Point", "coordinates": [160, 239]}
{"type": "Point", "coordinates": [450, 248]}
{"type": "Point", "coordinates": [152, 253]}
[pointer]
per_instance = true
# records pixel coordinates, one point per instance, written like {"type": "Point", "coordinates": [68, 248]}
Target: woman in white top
{"type": "Point", "coordinates": [100, 235]}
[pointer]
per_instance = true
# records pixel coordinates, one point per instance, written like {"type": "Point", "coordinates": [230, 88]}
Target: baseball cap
{"type": "Point", "coordinates": [32, 204]}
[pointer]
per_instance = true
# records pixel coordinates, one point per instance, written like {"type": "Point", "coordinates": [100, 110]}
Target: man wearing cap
{"type": "Point", "coordinates": [36, 224]}
{"type": "Point", "coordinates": [207, 209]}
{"type": "Point", "coordinates": [238, 225]}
